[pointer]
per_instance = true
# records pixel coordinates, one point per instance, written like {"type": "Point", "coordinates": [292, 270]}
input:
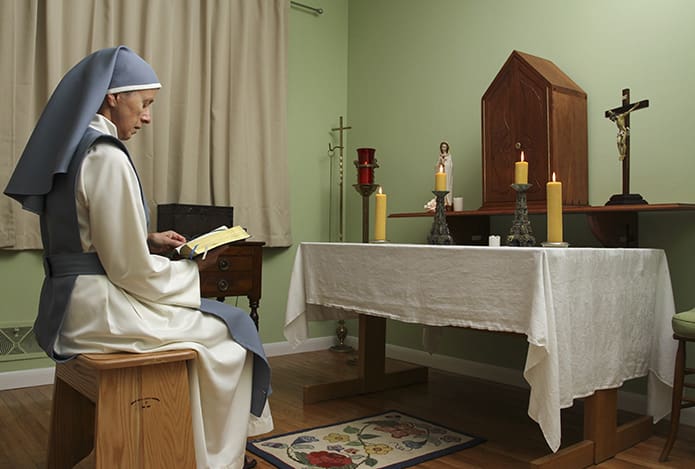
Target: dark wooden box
{"type": "Point", "coordinates": [533, 106]}
{"type": "Point", "coordinates": [193, 220]}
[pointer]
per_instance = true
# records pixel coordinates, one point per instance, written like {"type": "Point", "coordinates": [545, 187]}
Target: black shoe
{"type": "Point", "coordinates": [249, 463]}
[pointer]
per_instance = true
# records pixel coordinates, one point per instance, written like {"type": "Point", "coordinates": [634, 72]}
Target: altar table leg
{"type": "Point", "coordinates": [372, 352]}
{"type": "Point", "coordinates": [600, 422]}
{"type": "Point", "coordinates": [371, 362]}
{"type": "Point", "coordinates": [603, 438]}
{"type": "Point", "coordinates": [600, 425]}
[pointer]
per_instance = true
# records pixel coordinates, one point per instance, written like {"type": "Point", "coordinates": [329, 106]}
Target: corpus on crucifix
{"type": "Point", "coordinates": [621, 116]}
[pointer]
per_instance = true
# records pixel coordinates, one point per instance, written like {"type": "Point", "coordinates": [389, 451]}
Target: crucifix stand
{"type": "Point", "coordinates": [341, 203]}
{"type": "Point", "coordinates": [341, 331]}
{"type": "Point", "coordinates": [621, 117]}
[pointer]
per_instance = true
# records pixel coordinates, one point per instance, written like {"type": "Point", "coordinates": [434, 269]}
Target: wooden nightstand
{"type": "Point", "coordinates": [234, 270]}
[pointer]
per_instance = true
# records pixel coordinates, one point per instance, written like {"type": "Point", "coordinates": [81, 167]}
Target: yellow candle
{"type": "Point", "coordinates": [380, 216]}
{"type": "Point", "coordinates": [521, 171]}
{"type": "Point", "coordinates": [440, 179]}
{"type": "Point", "coordinates": [553, 190]}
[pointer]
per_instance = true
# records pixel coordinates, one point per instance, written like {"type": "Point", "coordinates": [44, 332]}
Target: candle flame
{"type": "Point", "coordinates": [441, 168]}
{"type": "Point", "coordinates": [522, 156]}
{"type": "Point", "coordinates": [553, 176]}
{"type": "Point", "coordinates": [380, 191]}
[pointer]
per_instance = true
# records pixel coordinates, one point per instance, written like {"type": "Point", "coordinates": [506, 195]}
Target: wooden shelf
{"type": "Point", "coordinates": [612, 225]}
{"type": "Point", "coordinates": [675, 207]}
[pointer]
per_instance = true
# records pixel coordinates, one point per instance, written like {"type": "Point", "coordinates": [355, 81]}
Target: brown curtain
{"type": "Point", "coordinates": [219, 128]}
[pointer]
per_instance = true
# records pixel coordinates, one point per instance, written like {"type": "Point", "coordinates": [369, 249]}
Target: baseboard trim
{"type": "Point", "coordinates": [26, 378]}
{"type": "Point", "coordinates": [628, 401]}
{"type": "Point", "coordinates": [631, 402]}
{"type": "Point", "coordinates": [310, 345]}
{"type": "Point", "coordinates": [41, 376]}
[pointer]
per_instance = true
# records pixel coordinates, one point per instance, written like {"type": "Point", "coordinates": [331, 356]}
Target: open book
{"type": "Point", "coordinates": [210, 240]}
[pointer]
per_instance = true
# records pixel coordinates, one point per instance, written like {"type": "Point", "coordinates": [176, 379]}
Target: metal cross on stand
{"type": "Point", "coordinates": [621, 117]}
{"type": "Point", "coordinates": [341, 128]}
{"type": "Point", "coordinates": [341, 331]}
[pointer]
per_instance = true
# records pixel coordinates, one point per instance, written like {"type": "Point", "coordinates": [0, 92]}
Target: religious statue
{"type": "Point", "coordinates": [623, 129]}
{"type": "Point", "coordinates": [446, 161]}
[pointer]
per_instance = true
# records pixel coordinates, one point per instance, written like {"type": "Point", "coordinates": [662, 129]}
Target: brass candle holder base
{"type": "Point", "coordinates": [341, 332]}
{"type": "Point", "coordinates": [548, 244]}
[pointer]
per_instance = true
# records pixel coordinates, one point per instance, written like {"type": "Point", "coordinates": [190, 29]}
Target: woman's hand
{"type": "Point", "coordinates": [165, 241]}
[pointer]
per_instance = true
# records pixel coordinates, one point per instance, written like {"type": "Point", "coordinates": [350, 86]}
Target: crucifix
{"type": "Point", "coordinates": [341, 331]}
{"type": "Point", "coordinates": [341, 146]}
{"type": "Point", "coordinates": [621, 116]}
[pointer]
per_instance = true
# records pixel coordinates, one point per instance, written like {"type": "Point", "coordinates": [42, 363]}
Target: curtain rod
{"type": "Point", "coordinates": [318, 11]}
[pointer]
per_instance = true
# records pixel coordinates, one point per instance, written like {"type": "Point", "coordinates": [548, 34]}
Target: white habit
{"type": "Point", "coordinates": [147, 302]}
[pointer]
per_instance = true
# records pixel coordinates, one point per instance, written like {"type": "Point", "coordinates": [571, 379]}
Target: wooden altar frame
{"type": "Point", "coordinates": [603, 438]}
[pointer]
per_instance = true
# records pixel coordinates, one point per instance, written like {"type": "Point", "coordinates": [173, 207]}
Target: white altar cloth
{"type": "Point", "coordinates": [593, 318]}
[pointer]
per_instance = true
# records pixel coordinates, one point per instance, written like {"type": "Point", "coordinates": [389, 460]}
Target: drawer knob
{"type": "Point", "coordinates": [223, 264]}
{"type": "Point", "coordinates": [222, 285]}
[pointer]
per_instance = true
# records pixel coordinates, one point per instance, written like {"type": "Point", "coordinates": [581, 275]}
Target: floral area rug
{"type": "Point", "coordinates": [389, 440]}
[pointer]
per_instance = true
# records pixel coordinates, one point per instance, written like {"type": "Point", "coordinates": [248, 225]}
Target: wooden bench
{"type": "Point", "coordinates": [132, 409]}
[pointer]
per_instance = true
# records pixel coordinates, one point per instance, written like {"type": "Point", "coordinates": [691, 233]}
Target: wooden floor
{"type": "Point", "coordinates": [492, 411]}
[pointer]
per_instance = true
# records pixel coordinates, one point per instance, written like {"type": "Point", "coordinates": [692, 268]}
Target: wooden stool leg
{"type": "Point", "coordinates": [143, 418]}
{"type": "Point", "coordinates": [72, 427]}
{"type": "Point", "coordinates": [678, 380]}
{"type": "Point", "coordinates": [168, 427]}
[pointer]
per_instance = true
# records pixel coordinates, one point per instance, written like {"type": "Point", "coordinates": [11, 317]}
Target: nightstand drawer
{"type": "Point", "coordinates": [233, 270]}
{"type": "Point", "coordinates": [230, 263]}
{"type": "Point", "coordinates": [226, 283]}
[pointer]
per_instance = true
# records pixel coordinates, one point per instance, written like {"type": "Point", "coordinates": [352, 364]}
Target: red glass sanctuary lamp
{"type": "Point", "coordinates": [365, 165]}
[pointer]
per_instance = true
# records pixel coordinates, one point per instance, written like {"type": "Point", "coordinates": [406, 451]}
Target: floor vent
{"type": "Point", "coordinates": [18, 342]}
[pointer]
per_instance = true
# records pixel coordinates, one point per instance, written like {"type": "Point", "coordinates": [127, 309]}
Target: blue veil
{"type": "Point", "coordinates": [65, 118]}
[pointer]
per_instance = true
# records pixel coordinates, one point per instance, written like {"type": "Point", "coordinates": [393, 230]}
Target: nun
{"type": "Point", "coordinates": [105, 288]}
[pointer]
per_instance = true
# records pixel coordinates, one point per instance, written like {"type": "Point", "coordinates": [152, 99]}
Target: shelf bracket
{"type": "Point", "coordinates": [615, 229]}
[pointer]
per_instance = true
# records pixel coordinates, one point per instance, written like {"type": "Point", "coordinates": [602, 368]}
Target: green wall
{"type": "Point", "coordinates": [317, 97]}
{"type": "Point", "coordinates": [417, 71]}
{"type": "Point", "coordinates": [409, 73]}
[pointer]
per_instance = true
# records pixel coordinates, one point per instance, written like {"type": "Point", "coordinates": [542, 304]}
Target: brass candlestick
{"type": "Point", "coordinates": [521, 233]}
{"type": "Point", "coordinates": [439, 234]}
{"type": "Point", "coordinates": [365, 172]}
{"type": "Point", "coordinates": [365, 190]}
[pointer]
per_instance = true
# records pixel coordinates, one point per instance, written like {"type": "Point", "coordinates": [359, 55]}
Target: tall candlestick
{"type": "Point", "coordinates": [553, 192]}
{"type": "Point", "coordinates": [440, 179]}
{"type": "Point", "coordinates": [521, 171]}
{"type": "Point", "coordinates": [380, 216]}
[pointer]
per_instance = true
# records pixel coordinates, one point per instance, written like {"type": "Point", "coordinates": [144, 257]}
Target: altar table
{"type": "Point", "coordinates": [593, 318]}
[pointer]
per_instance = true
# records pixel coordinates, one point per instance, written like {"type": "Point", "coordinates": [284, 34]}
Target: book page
{"type": "Point", "coordinates": [211, 240]}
